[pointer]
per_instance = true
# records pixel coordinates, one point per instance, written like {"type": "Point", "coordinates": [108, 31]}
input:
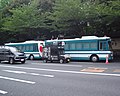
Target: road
{"type": "Point", "coordinates": [35, 78]}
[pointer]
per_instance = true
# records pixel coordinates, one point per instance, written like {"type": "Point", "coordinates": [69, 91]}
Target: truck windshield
{"type": "Point", "coordinates": [61, 52]}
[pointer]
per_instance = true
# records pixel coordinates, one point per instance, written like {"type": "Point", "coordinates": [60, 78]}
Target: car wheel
{"type": "Point", "coordinates": [23, 62]}
{"type": "Point", "coordinates": [61, 61]}
{"type": "Point", "coordinates": [11, 60]}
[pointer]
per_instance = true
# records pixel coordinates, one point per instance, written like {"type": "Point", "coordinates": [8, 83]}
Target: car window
{"type": "Point", "coordinates": [14, 49]}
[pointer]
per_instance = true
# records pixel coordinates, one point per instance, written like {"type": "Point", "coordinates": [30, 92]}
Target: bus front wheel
{"type": "Point", "coordinates": [94, 58]}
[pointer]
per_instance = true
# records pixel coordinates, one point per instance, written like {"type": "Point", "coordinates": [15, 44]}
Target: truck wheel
{"type": "Point", "coordinates": [61, 61]}
{"type": "Point", "coordinates": [11, 60]}
{"type": "Point", "coordinates": [45, 61]}
{"type": "Point", "coordinates": [68, 60]}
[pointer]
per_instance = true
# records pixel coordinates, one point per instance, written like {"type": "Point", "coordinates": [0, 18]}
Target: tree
{"type": "Point", "coordinates": [72, 16]}
{"type": "Point", "coordinates": [22, 17]}
{"type": "Point", "coordinates": [3, 5]}
{"type": "Point", "coordinates": [84, 17]}
{"type": "Point", "coordinates": [108, 19]}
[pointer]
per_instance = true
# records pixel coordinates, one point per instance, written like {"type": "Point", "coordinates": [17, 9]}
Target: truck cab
{"type": "Point", "coordinates": [55, 53]}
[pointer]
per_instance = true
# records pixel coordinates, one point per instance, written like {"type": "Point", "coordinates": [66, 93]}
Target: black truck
{"type": "Point", "coordinates": [55, 53]}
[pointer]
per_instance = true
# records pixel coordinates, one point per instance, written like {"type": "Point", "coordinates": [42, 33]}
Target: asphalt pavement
{"type": "Point", "coordinates": [35, 78]}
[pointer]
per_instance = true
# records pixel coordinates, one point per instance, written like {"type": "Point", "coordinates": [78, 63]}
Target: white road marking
{"type": "Point", "coordinates": [36, 74]}
{"type": "Point", "coordinates": [3, 92]}
{"type": "Point", "coordinates": [18, 72]}
{"type": "Point", "coordinates": [51, 76]}
{"type": "Point", "coordinates": [22, 72]}
{"type": "Point", "coordinates": [18, 80]}
{"type": "Point", "coordinates": [63, 71]}
{"type": "Point", "coordinates": [58, 65]}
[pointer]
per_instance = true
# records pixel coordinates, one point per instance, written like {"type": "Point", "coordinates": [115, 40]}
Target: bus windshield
{"type": "Point", "coordinates": [110, 45]}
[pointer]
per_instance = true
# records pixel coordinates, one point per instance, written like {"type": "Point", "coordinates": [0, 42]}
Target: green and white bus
{"type": "Point", "coordinates": [87, 48]}
{"type": "Point", "coordinates": [32, 49]}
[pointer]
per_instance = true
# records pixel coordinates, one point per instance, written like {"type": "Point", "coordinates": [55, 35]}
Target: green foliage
{"type": "Point", "coordinates": [70, 17]}
{"type": "Point", "coordinates": [109, 17]}
{"type": "Point", "coordinates": [4, 3]}
{"type": "Point", "coordinates": [79, 16]}
{"type": "Point", "coordinates": [25, 16]}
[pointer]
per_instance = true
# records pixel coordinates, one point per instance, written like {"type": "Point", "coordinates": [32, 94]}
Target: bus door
{"type": "Point", "coordinates": [103, 45]}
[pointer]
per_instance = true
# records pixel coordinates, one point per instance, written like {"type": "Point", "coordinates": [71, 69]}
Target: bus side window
{"type": "Point", "coordinates": [86, 46]}
{"type": "Point", "coordinates": [67, 46]}
{"type": "Point", "coordinates": [20, 47]}
{"type": "Point", "coordinates": [102, 45]}
{"type": "Point", "coordinates": [72, 46]}
{"type": "Point", "coordinates": [93, 46]}
{"type": "Point", "coordinates": [31, 48]}
{"type": "Point", "coordinates": [23, 48]}
{"type": "Point", "coordinates": [35, 47]}
{"type": "Point", "coordinates": [78, 46]}
{"type": "Point", "coordinates": [27, 47]}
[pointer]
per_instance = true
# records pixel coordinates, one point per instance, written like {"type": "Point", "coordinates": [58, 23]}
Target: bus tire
{"type": "Point", "coordinates": [94, 58]}
{"type": "Point", "coordinates": [31, 57]}
{"type": "Point", "coordinates": [11, 60]}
